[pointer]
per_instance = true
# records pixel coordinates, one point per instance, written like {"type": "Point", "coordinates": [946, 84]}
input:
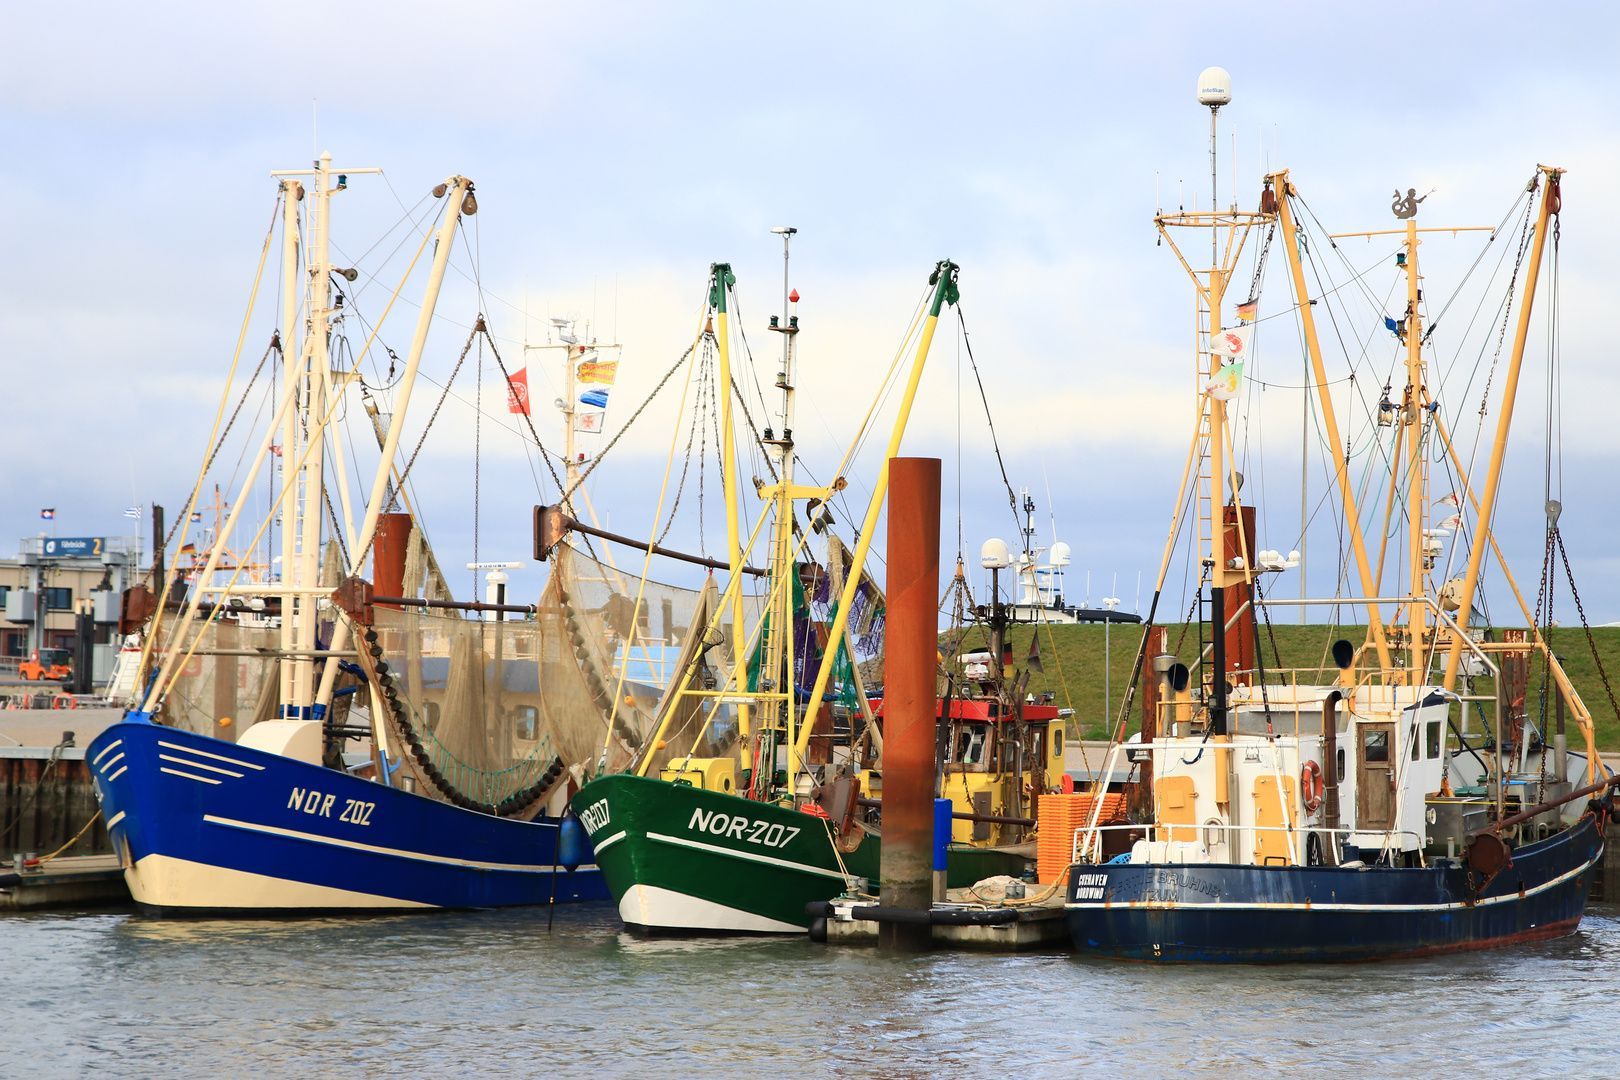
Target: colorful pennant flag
{"type": "Point", "coordinates": [588, 422]}
{"type": "Point", "coordinates": [196, 517]}
{"type": "Point", "coordinates": [1247, 309]}
{"type": "Point", "coordinates": [48, 513]}
{"type": "Point", "coordinates": [598, 371]}
{"type": "Point", "coordinates": [599, 398]}
{"type": "Point", "coordinates": [517, 392]}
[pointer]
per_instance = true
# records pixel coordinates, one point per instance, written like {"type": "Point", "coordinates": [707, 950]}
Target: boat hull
{"type": "Point", "coordinates": [1227, 914]}
{"type": "Point", "coordinates": [205, 826]}
{"type": "Point", "coordinates": [682, 860]}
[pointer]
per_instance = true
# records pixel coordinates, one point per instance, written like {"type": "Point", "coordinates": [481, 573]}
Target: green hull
{"type": "Point", "coordinates": [679, 859]}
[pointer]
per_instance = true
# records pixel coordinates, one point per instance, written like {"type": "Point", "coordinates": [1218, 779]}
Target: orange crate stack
{"type": "Point", "coordinates": [1060, 815]}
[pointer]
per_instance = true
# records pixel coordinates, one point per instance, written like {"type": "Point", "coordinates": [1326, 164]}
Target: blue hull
{"type": "Point", "coordinates": [1227, 914]}
{"type": "Point", "coordinates": [204, 825]}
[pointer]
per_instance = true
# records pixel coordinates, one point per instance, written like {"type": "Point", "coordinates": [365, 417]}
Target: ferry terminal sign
{"type": "Point", "coordinates": [75, 547]}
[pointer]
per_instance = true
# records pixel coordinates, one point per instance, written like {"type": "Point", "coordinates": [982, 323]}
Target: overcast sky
{"type": "Point", "coordinates": [618, 149]}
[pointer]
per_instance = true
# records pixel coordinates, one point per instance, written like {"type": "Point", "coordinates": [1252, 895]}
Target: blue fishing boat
{"type": "Point", "coordinates": [316, 724]}
{"type": "Point", "coordinates": [1418, 795]}
{"type": "Point", "coordinates": [202, 825]}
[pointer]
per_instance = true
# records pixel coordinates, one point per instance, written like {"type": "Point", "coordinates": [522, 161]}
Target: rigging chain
{"type": "Point", "coordinates": [1507, 309]}
{"type": "Point", "coordinates": [698, 419]}
{"type": "Point", "coordinates": [995, 444]}
{"type": "Point", "coordinates": [274, 346]}
{"type": "Point", "coordinates": [1591, 642]}
{"type": "Point", "coordinates": [443, 393]}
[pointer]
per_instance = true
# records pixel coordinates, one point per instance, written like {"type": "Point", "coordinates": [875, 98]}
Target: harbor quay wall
{"type": "Point", "coordinates": [43, 804]}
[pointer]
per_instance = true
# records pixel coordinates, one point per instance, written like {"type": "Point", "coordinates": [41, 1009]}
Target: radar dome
{"type": "Point", "coordinates": [993, 555]}
{"type": "Point", "coordinates": [1214, 87]}
{"type": "Point", "coordinates": [1060, 554]}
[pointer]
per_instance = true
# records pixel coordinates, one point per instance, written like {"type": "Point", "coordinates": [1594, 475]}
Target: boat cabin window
{"type": "Point", "coordinates": [1414, 742]}
{"type": "Point", "coordinates": [1340, 767]}
{"type": "Point", "coordinates": [971, 743]}
{"type": "Point", "coordinates": [526, 722]}
{"type": "Point", "coordinates": [1433, 739]}
{"type": "Point", "coordinates": [1037, 746]}
{"type": "Point", "coordinates": [1057, 742]}
{"type": "Point", "coordinates": [1375, 743]}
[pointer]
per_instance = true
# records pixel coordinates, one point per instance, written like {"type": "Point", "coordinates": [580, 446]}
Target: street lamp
{"type": "Point", "coordinates": [1109, 602]}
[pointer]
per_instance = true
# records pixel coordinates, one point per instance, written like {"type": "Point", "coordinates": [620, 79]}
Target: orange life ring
{"type": "Point", "coordinates": [1310, 785]}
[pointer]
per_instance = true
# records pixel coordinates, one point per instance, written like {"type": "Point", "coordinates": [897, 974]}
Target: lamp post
{"type": "Point", "coordinates": [1109, 602]}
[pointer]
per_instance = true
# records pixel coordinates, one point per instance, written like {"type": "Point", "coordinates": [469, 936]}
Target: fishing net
{"type": "Point", "coordinates": [498, 714]}
{"type": "Point", "coordinates": [223, 690]}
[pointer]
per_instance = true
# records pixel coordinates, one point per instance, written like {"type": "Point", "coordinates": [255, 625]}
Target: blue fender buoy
{"type": "Point", "coordinates": [573, 845]}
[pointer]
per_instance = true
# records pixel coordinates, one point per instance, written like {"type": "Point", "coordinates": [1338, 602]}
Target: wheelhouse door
{"type": "Point", "coordinates": [1375, 776]}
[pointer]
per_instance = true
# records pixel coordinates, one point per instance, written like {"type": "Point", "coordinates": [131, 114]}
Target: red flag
{"type": "Point", "coordinates": [517, 392]}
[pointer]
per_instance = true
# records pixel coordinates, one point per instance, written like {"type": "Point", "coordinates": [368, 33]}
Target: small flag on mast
{"type": "Point", "coordinates": [599, 398]}
{"type": "Point", "coordinates": [132, 512]}
{"type": "Point", "coordinates": [1232, 342]}
{"type": "Point", "coordinates": [1247, 309]}
{"type": "Point", "coordinates": [517, 392]}
{"type": "Point", "coordinates": [196, 518]}
{"type": "Point", "coordinates": [48, 513]}
{"type": "Point", "coordinates": [1224, 386]}
{"type": "Point", "coordinates": [598, 371]}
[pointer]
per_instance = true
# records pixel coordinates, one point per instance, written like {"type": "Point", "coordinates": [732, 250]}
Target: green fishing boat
{"type": "Point", "coordinates": [756, 793]}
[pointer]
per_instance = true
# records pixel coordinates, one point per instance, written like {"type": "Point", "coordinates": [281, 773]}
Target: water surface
{"type": "Point", "coordinates": [495, 993]}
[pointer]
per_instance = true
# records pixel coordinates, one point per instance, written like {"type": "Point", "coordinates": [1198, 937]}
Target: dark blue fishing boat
{"type": "Point", "coordinates": [1414, 797]}
{"type": "Point", "coordinates": [1270, 914]}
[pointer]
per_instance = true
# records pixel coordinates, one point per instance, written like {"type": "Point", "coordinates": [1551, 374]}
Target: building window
{"type": "Point", "coordinates": [5, 591]}
{"type": "Point", "coordinates": [59, 599]}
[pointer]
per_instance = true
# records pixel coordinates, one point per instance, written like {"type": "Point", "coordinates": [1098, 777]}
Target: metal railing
{"type": "Point", "coordinates": [1088, 850]}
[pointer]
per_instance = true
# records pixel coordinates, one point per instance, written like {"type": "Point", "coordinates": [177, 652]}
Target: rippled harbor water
{"type": "Point", "coordinates": [492, 992]}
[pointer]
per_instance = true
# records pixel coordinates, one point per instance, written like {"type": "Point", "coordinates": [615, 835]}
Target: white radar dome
{"type": "Point", "coordinates": [1060, 554]}
{"type": "Point", "coordinates": [993, 555]}
{"type": "Point", "coordinates": [1214, 87]}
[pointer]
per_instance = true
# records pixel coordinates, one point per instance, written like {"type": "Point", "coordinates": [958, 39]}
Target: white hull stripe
{"type": "Point", "coordinates": [199, 765]}
{"type": "Point", "coordinates": [188, 776]}
{"type": "Point", "coordinates": [609, 842]}
{"type": "Point", "coordinates": [1366, 909]}
{"type": "Point", "coordinates": [216, 757]}
{"type": "Point", "coordinates": [115, 759]}
{"type": "Point", "coordinates": [748, 855]}
{"type": "Point", "coordinates": [375, 849]}
{"type": "Point", "coordinates": [122, 769]}
{"type": "Point", "coordinates": [105, 750]}
{"type": "Point", "coordinates": [170, 882]}
{"type": "Point", "coordinates": [666, 909]}
{"type": "Point", "coordinates": [116, 818]}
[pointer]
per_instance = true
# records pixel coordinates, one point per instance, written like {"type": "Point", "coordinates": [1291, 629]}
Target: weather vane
{"type": "Point", "coordinates": [1406, 206]}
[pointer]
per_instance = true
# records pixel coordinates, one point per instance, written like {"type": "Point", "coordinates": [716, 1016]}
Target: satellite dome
{"type": "Point", "coordinates": [1060, 554]}
{"type": "Point", "coordinates": [1214, 87]}
{"type": "Point", "coordinates": [993, 555]}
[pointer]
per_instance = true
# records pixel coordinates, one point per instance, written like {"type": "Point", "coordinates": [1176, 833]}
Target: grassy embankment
{"type": "Point", "coordinates": [1073, 659]}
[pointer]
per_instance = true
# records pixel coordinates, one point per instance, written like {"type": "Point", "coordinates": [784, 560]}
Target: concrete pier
{"type": "Point", "coordinates": [67, 882]}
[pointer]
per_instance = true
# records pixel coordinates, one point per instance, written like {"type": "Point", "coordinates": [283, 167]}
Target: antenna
{"type": "Point", "coordinates": [1214, 90]}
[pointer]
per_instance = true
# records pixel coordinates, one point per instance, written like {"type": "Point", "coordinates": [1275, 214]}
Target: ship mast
{"type": "Point", "coordinates": [779, 659]}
